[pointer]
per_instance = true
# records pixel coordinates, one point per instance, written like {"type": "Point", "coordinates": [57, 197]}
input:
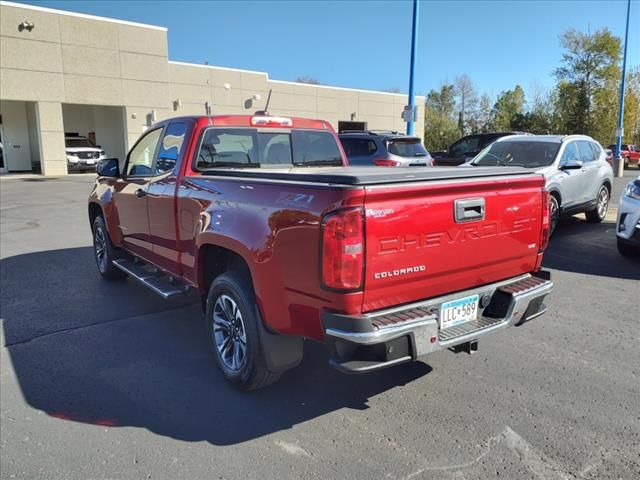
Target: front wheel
{"type": "Point", "coordinates": [104, 251]}
{"type": "Point", "coordinates": [597, 214]}
{"type": "Point", "coordinates": [232, 330]}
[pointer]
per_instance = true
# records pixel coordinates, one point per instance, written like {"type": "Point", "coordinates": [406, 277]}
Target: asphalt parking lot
{"type": "Point", "coordinates": [106, 380]}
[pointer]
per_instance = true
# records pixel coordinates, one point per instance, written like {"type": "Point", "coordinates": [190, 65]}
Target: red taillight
{"type": "Point", "coordinates": [384, 162]}
{"type": "Point", "coordinates": [546, 221]}
{"type": "Point", "coordinates": [343, 250]}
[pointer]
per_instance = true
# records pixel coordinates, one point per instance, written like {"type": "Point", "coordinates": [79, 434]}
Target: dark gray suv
{"type": "Point", "coordinates": [384, 149]}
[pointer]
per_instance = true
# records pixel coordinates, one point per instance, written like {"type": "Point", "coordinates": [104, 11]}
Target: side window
{"type": "Point", "coordinates": [586, 153]}
{"type": "Point", "coordinates": [570, 153]}
{"type": "Point", "coordinates": [140, 160]}
{"type": "Point", "coordinates": [359, 147]}
{"type": "Point", "coordinates": [597, 151]}
{"type": "Point", "coordinates": [172, 147]}
{"type": "Point", "coordinates": [465, 145]}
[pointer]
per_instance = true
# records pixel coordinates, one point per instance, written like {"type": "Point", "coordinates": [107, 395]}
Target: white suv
{"type": "Point", "coordinates": [81, 153]}
{"type": "Point", "coordinates": [575, 168]}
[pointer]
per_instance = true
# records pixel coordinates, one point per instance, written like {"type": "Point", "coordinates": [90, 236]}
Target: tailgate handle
{"type": "Point", "coordinates": [469, 210]}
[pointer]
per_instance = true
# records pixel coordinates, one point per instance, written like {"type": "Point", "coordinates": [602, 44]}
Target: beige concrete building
{"type": "Point", "coordinates": [67, 72]}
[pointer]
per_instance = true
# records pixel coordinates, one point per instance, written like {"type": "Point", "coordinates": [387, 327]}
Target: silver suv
{"type": "Point", "coordinates": [384, 149]}
{"type": "Point", "coordinates": [575, 168]}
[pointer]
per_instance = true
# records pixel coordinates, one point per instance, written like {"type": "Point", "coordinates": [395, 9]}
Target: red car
{"type": "Point", "coordinates": [262, 218]}
{"type": "Point", "coordinates": [630, 154]}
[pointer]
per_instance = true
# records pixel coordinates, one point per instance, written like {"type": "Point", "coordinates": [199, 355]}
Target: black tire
{"type": "Point", "coordinates": [627, 250]}
{"type": "Point", "coordinates": [104, 252]}
{"type": "Point", "coordinates": [626, 162]}
{"type": "Point", "coordinates": [231, 300]}
{"type": "Point", "coordinates": [554, 214]}
{"type": "Point", "coordinates": [599, 212]}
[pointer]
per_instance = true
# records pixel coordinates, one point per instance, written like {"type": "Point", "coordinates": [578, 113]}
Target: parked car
{"type": "Point", "coordinates": [261, 217]}
{"type": "Point", "coordinates": [630, 154]}
{"type": "Point", "coordinates": [384, 149]}
{"type": "Point", "coordinates": [575, 168]}
{"type": "Point", "coordinates": [609, 155]}
{"type": "Point", "coordinates": [628, 223]}
{"type": "Point", "coordinates": [81, 153]}
{"type": "Point", "coordinates": [466, 148]}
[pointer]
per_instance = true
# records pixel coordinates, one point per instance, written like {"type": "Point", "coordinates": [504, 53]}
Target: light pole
{"type": "Point", "coordinates": [414, 43]}
{"type": "Point", "coordinates": [620, 130]}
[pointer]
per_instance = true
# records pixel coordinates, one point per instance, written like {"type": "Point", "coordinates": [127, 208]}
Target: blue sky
{"type": "Point", "coordinates": [365, 44]}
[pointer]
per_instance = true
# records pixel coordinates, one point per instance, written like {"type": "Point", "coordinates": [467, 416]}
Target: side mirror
{"type": "Point", "coordinates": [108, 168]}
{"type": "Point", "coordinates": [571, 165]}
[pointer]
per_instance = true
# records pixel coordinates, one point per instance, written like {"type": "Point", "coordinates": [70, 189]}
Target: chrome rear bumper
{"type": "Point", "coordinates": [378, 340]}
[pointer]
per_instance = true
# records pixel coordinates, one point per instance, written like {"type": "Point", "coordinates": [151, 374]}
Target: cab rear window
{"type": "Point", "coordinates": [252, 148]}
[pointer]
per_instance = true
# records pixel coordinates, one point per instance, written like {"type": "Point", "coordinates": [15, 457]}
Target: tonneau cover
{"type": "Point", "coordinates": [367, 175]}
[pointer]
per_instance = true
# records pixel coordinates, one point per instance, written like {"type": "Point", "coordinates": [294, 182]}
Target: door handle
{"type": "Point", "coordinates": [469, 210]}
{"type": "Point", "coordinates": [140, 193]}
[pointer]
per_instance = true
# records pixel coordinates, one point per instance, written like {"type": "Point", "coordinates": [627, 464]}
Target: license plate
{"type": "Point", "coordinates": [91, 162]}
{"type": "Point", "coordinates": [458, 311]}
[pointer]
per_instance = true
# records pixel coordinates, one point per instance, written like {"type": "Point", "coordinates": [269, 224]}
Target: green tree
{"type": "Point", "coordinates": [484, 115]}
{"type": "Point", "coordinates": [439, 123]}
{"type": "Point", "coordinates": [509, 104]}
{"type": "Point", "coordinates": [632, 107]}
{"type": "Point", "coordinates": [590, 66]}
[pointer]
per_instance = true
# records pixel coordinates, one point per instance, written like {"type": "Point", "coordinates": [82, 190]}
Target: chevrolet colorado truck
{"type": "Point", "coordinates": [283, 241]}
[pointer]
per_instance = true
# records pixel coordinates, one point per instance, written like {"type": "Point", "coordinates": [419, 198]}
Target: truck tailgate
{"type": "Point", "coordinates": [430, 238]}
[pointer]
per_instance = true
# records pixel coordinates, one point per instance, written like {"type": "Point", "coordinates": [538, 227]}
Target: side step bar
{"type": "Point", "coordinates": [152, 278]}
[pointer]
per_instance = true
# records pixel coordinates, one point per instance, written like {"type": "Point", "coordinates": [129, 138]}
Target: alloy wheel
{"type": "Point", "coordinates": [603, 202]}
{"type": "Point", "coordinates": [100, 246]}
{"type": "Point", "coordinates": [229, 333]}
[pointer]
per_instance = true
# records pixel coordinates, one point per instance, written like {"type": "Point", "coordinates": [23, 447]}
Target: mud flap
{"type": "Point", "coordinates": [281, 352]}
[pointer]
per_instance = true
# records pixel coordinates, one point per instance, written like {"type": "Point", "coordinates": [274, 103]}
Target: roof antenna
{"type": "Point", "coordinates": [266, 107]}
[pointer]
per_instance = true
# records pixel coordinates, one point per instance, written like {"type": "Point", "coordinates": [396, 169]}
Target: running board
{"type": "Point", "coordinates": [152, 278]}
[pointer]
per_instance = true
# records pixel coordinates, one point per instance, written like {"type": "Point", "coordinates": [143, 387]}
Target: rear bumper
{"type": "Point", "coordinates": [365, 343]}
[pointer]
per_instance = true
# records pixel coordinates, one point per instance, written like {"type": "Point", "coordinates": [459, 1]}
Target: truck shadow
{"type": "Point", "coordinates": [113, 354]}
{"type": "Point", "coordinates": [589, 248]}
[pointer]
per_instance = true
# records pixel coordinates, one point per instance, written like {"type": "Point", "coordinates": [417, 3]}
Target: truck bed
{"type": "Point", "coordinates": [363, 176]}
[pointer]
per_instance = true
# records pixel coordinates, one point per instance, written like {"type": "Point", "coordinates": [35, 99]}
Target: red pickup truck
{"type": "Point", "coordinates": [283, 241]}
{"type": "Point", "coordinates": [629, 153]}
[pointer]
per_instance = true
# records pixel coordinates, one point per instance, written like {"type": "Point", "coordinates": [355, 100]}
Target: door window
{"type": "Point", "coordinates": [570, 153]}
{"type": "Point", "coordinates": [172, 147]}
{"type": "Point", "coordinates": [140, 160]}
{"type": "Point", "coordinates": [586, 153]}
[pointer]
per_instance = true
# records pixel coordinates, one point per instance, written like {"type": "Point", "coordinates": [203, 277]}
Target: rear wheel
{"type": "Point", "coordinates": [104, 251]}
{"type": "Point", "coordinates": [599, 212]}
{"type": "Point", "coordinates": [232, 331]}
{"type": "Point", "coordinates": [627, 250]}
{"type": "Point", "coordinates": [554, 214]}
